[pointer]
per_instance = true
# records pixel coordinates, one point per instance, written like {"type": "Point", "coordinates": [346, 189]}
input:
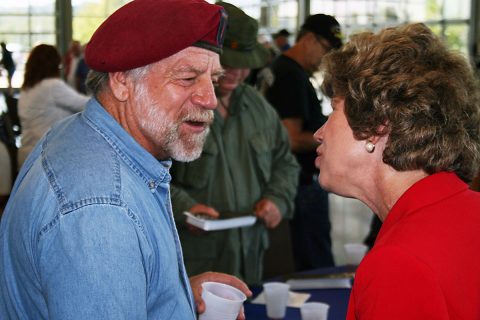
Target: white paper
{"type": "Point", "coordinates": [219, 224]}
{"type": "Point", "coordinates": [295, 299]}
{"type": "Point", "coordinates": [319, 283]}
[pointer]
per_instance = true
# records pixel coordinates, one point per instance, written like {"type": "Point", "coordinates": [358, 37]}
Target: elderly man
{"type": "Point", "coordinates": [88, 232]}
{"type": "Point", "coordinates": [295, 99]}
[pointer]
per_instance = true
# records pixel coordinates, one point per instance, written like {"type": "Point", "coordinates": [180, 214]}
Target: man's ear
{"type": "Point", "coordinates": [311, 38]}
{"type": "Point", "coordinates": [118, 85]}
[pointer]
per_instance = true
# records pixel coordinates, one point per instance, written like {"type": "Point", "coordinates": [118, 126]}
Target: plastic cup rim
{"type": "Point", "coordinates": [315, 304]}
{"type": "Point", "coordinates": [239, 294]}
{"type": "Point", "coordinates": [276, 283]}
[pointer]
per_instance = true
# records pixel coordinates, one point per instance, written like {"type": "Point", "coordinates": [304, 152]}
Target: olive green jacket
{"type": "Point", "coordinates": [246, 158]}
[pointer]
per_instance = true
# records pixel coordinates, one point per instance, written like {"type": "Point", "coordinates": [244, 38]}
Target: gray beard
{"type": "Point", "coordinates": [181, 148]}
{"type": "Point", "coordinates": [186, 149]}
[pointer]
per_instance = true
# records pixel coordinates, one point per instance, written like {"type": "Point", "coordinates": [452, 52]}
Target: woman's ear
{"type": "Point", "coordinates": [118, 85]}
{"type": "Point", "coordinates": [374, 139]}
{"type": "Point", "coordinates": [382, 132]}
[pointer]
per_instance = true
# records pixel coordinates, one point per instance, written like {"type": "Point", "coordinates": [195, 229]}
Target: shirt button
{"type": "Point", "coordinates": [151, 185]}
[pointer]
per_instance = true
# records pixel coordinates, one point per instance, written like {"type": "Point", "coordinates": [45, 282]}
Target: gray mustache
{"type": "Point", "coordinates": [202, 116]}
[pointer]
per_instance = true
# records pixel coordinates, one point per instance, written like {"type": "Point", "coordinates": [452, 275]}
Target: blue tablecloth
{"type": "Point", "coordinates": [336, 298]}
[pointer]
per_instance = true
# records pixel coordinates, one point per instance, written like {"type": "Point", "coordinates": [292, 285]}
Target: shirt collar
{"type": "Point", "coordinates": [151, 170]}
{"type": "Point", "coordinates": [237, 104]}
{"type": "Point", "coordinates": [423, 193]}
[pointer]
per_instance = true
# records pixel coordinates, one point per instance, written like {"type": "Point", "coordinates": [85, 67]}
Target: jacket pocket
{"type": "Point", "coordinates": [263, 155]}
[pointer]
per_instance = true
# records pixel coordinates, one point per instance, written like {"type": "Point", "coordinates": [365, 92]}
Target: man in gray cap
{"type": "Point", "coordinates": [246, 167]}
{"type": "Point", "coordinates": [295, 99]}
{"type": "Point", "coordinates": [88, 232]}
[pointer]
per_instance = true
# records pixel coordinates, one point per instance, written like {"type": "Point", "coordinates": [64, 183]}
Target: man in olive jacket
{"type": "Point", "coordinates": [246, 167]}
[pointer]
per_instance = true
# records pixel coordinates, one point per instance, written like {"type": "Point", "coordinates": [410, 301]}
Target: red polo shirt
{"type": "Point", "coordinates": [426, 260]}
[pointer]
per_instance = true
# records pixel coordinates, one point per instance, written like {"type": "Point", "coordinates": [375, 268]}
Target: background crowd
{"type": "Point", "coordinates": [220, 125]}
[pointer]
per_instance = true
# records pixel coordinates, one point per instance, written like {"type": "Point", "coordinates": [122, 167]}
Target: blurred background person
{"type": "Point", "coordinates": [5, 173]}
{"type": "Point", "coordinates": [262, 77]}
{"type": "Point", "coordinates": [404, 138]}
{"type": "Point", "coordinates": [246, 166]}
{"type": "Point", "coordinates": [8, 64]}
{"type": "Point", "coordinates": [294, 97]}
{"type": "Point", "coordinates": [70, 62]}
{"type": "Point", "coordinates": [280, 40]}
{"type": "Point", "coordinates": [81, 75]}
{"type": "Point", "coordinates": [44, 97]}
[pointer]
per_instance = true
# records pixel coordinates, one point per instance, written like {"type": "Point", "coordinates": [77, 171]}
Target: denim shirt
{"type": "Point", "coordinates": [88, 232]}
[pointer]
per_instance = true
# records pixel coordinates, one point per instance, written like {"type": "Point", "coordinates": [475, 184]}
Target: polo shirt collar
{"type": "Point", "coordinates": [423, 193]}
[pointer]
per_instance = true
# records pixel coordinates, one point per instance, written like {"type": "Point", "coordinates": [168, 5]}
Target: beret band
{"type": "Point", "coordinates": [146, 31]}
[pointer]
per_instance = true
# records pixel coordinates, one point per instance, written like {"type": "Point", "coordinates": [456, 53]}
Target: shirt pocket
{"type": "Point", "coordinates": [198, 172]}
{"type": "Point", "coordinates": [262, 150]}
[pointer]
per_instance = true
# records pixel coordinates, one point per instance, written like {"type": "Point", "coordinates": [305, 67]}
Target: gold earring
{"type": "Point", "coordinates": [370, 147]}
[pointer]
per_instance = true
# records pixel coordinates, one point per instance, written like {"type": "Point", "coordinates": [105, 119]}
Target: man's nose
{"type": "Point", "coordinates": [204, 95]}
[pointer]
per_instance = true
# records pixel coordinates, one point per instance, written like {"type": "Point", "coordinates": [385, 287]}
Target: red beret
{"type": "Point", "coordinates": [146, 31]}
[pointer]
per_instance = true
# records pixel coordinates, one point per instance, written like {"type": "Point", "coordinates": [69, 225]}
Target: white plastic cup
{"type": "Point", "coordinates": [314, 311]}
{"type": "Point", "coordinates": [355, 252]}
{"type": "Point", "coordinates": [221, 301]}
{"type": "Point", "coordinates": [276, 299]}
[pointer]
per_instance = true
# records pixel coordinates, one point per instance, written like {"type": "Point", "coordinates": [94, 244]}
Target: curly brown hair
{"type": "Point", "coordinates": [403, 82]}
{"type": "Point", "coordinates": [43, 62]}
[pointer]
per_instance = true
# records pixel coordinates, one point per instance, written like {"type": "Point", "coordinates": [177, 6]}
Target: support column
{"type": "Point", "coordinates": [474, 34]}
{"type": "Point", "coordinates": [63, 24]}
{"type": "Point", "coordinates": [303, 11]}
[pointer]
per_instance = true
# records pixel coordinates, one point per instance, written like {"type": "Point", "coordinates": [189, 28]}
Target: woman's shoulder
{"type": "Point", "coordinates": [47, 84]}
{"type": "Point", "coordinates": [53, 82]}
{"type": "Point", "coordinates": [39, 92]}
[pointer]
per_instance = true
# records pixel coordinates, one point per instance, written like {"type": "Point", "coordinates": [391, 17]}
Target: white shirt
{"type": "Point", "coordinates": [42, 106]}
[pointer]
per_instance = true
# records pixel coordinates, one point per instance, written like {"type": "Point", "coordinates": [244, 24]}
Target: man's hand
{"type": "Point", "coordinates": [268, 211]}
{"type": "Point", "coordinates": [202, 210]}
{"type": "Point", "coordinates": [196, 284]}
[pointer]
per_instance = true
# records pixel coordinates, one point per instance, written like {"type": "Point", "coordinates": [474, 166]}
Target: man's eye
{"type": "Point", "coordinates": [187, 81]}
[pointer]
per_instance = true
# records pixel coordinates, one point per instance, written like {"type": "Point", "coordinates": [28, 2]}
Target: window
{"type": "Point", "coordinates": [24, 24]}
{"type": "Point", "coordinates": [449, 19]}
{"type": "Point", "coordinates": [89, 14]}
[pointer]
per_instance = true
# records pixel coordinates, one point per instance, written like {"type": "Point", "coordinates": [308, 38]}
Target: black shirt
{"type": "Point", "coordinates": [293, 96]}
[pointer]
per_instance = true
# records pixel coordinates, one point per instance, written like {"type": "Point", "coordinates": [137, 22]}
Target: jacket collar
{"type": "Point", "coordinates": [151, 170]}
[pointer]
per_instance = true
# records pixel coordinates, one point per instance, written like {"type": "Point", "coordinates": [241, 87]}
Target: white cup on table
{"type": "Point", "coordinates": [221, 301]}
{"type": "Point", "coordinates": [276, 299]}
{"type": "Point", "coordinates": [314, 311]}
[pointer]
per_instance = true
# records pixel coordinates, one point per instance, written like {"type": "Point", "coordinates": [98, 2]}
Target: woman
{"type": "Point", "coordinates": [44, 98]}
{"type": "Point", "coordinates": [404, 138]}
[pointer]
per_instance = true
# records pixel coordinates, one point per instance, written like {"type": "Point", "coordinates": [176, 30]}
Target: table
{"type": "Point", "coordinates": [336, 298]}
